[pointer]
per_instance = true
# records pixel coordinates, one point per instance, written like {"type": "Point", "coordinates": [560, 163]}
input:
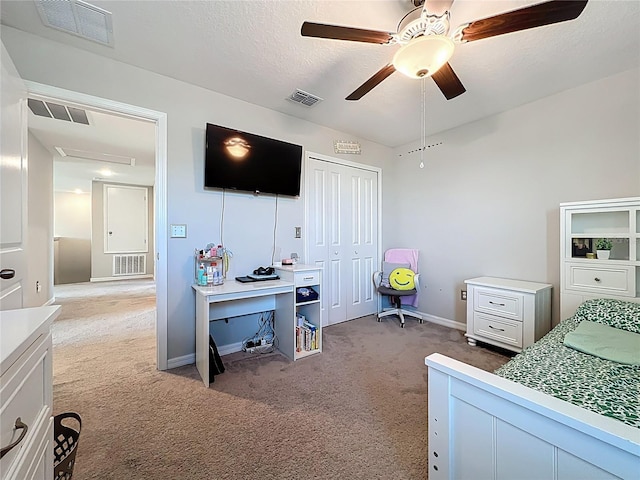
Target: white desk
{"type": "Point", "coordinates": [233, 299]}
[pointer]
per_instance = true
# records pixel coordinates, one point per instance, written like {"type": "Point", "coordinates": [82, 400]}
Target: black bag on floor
{"type": "Point", "coordinates": [215, 362]}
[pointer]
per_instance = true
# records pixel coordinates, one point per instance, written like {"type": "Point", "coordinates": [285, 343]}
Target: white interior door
{"type": "Point", "coordinates": [126, 219]}
{"type": "Point", "coordinates": [342, 220]}
{"type": "Point", "coordinates": [13, 181]}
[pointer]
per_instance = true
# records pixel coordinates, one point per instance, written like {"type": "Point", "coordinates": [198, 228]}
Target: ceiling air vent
{"type": "Point", "coordinates": [77, 18]}
{"type": "Point", "coordinates": [99, 156]}
{"type": "Point", "coordinates": [304, 98]}
{"type": "Point", "coordinates": [60, 112]}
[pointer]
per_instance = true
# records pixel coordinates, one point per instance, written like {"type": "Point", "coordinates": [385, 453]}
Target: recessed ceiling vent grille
{"type": "Point", "coordinates": [60, 112]}
{"type": "Point", "coordinates": [98, 156]}
{"type": "Point", "coordinates": [304, 98]}
{"type": "Point", "coordinates": [77, 18]}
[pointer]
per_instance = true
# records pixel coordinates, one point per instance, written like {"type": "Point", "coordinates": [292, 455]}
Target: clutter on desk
{"type": "Point", "coordinates": [306, 294]}
{"type": "Point", "coordinates": [211, 265]}
{"type": "Point", "coordinates": [292, 260]}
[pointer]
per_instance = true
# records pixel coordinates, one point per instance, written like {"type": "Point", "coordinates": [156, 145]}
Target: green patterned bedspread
{"type": "Point", "coordinates": [599, 385]}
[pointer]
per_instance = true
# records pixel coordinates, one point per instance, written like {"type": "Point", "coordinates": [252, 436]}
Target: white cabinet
{"type": "Point", "coordinates": [26, 393]}
{"type": "Point", "coordinates": [582, 274]}
{"type": "Point", "coordinates": [511, 314]}
{"type": "Point", "coordinates": [307, 338]}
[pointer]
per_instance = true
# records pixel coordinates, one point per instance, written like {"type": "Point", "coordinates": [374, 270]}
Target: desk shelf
{"type": "Point", "coordinates": [304, 276]}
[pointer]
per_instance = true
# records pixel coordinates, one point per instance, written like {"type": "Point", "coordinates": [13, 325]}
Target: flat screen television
{"type": "Point", "coordinates": [244, 161]}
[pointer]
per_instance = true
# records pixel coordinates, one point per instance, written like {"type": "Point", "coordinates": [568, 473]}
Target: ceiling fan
{"type": "Point", "coordinates": [426, 46]}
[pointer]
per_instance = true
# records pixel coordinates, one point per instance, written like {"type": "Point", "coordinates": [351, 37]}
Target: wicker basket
{"type": "Point", "coordinates": [65, 445]}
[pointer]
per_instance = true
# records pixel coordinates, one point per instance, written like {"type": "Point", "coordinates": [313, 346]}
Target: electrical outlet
{"type": "Point", "coordinates": [38, 287]}
{"type": "Point", "coordinates": [463, 295]}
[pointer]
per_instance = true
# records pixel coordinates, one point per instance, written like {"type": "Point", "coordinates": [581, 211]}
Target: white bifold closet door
{"type": "Point", "coordinates": [342, 236]}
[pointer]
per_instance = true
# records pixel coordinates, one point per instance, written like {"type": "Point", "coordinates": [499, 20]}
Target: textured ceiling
{"type": "Point", "coordinates": [253, 50]}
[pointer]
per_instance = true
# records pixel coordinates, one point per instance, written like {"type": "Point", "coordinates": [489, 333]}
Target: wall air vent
{"type": "Point", "coordinates": [304, 98]}
{"type": "Point", "coordinates": [77, 18]}
{"type": "Point", "coordinates": [60, 112]}
{"type": "Point", "coordinates": [129, 265]}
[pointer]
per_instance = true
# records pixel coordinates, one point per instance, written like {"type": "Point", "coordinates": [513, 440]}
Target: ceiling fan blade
{"type": "Point", "coordinates": [367, 86]}
{"type": "Point", "coordinates": [337, 32]}
{"type": "Point", "coordinates": [438, 7]}
{"type": "Point", "coordinates": [448, 82]}
{"type": "Point", "coordinates": [529, 17]}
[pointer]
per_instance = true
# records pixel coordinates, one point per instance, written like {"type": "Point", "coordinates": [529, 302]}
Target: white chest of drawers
{"type": "Point", "coordinates": [26, 393]}
{"type": "Point", "coordinates": [511, 314]}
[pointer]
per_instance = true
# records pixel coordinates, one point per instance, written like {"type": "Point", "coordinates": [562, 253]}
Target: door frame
{"type": "Point", "coordinates": [160, 191]}
{"type": "Point", "coordinates": [346, 163]}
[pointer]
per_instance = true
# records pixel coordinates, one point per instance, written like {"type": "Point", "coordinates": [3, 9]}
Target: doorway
{"type": "Point", "coordinates": [160, 191]}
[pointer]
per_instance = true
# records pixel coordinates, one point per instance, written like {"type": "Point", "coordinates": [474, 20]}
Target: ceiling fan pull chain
{"type": "Point", "coordinates": [423, 135]}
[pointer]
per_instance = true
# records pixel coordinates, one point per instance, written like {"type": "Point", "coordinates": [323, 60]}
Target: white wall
{"type": "Point", "coordinates": [72, 246]}
{"type": "Point", "coordinates": [102, 263]}
{"type": "Point", "coordinates": [486, 202]}
{"type": "Point", "coordinates": [72, 215]}
{"type": "Point", "coordinates": [40, 225]}
{"type": "Point", "coordinates": [248, 220]}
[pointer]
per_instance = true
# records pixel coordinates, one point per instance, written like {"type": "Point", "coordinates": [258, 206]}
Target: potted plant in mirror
{"type": "Point", "coordinates": [603, 248]}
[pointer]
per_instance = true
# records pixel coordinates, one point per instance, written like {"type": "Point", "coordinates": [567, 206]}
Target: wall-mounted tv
{"type": "Point", "coordinates": [243, 161]}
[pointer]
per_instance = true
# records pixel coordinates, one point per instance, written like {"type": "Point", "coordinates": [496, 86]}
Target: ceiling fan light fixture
{"type": "Point", "coordinates": [423, 56]}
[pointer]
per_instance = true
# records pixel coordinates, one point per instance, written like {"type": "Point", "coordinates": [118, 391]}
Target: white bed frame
{"type": "Point", "coordinates": [482, 426]}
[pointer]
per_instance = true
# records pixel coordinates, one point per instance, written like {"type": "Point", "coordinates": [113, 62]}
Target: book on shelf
{"type": "Point", "coordinates": [307, 337]}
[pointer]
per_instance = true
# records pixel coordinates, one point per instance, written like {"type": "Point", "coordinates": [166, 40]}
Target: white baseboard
{"type": "Point", "coordinates": [51, 301]}
{"type": "Point", "coordinates": [231, 348]}
{"type": "Point", "coordinates": [119, 277]}
{"type": "Point", "coordinates": [445, 322]}
{"type": "Point", "coordinates": [181, 361]}
{"type": "Point", "coordinates": [191, 358]}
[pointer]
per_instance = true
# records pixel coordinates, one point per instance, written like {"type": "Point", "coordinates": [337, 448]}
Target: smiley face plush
{"type": "Point", "coordinates": [402, 279]}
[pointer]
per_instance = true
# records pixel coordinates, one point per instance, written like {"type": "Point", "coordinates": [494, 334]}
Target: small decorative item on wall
{"type": "Point", "coordinates": [581, 247]}
{"type": "Point", "coordinates": [603, 248]}
{"type": "Point", "coordinates": [345, 146]}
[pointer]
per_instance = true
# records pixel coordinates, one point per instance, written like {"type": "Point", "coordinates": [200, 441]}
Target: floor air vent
{"type": "Point", "coordinates": [304, 98]}
{"type": "Point", "coordinates": [129, 265]}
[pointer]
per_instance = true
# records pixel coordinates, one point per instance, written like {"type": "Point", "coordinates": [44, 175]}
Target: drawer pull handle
{"type": "Point", "coordinates": [495, 328]}
{"type": "Point", "coordinates": [7, 273]}
{"type": "Point", "coordinates": [498, 304]}
{"type": "Point", "coordinates": [597, 279]}
{"type": "Point", "coordinates": [24, 428]}
{"type": "Point", "coordinates": [308, 278]}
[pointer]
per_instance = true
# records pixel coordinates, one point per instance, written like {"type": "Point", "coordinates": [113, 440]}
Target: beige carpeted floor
{"type": "Point", "coordinates": [356, 411]}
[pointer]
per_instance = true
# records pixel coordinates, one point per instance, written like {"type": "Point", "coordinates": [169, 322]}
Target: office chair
{"type": "Point", "coordinates": [380, 280]}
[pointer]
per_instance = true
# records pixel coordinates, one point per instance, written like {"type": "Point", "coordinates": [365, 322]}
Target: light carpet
{"type": "Point", "coordinates": [356, 411]}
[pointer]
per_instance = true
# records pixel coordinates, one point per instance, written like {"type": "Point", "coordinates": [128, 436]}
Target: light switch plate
{"type": "Point", "coordinates": [178, 231]}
